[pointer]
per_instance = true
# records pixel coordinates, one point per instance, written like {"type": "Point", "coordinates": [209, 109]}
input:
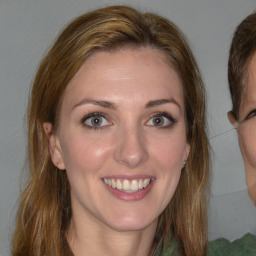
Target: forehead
{"type": "Point", "coordinates": [126, 71]}
{"type": "Point", "coordinates": [249, 90]}
{"type": "Point", "coordinates": [123, 59]}
{"type": "Point", "coordinates": [251, 72]}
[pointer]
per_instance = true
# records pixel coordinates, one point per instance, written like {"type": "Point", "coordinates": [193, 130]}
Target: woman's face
{"type": "Point", "coordinates": [122, 138]}
{"type": "Point", "coordinates": [247, 128]}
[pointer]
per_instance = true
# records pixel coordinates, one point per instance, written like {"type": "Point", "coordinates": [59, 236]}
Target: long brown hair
{"type": "Point", "coordinates": [44, 212]}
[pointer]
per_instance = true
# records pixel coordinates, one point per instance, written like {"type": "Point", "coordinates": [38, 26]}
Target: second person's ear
{"type": "Point", "coordinates": [232, 119]}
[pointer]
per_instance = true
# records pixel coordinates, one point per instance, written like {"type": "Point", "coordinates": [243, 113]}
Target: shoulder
{"type": "Point", "coordinates": [244, 246]}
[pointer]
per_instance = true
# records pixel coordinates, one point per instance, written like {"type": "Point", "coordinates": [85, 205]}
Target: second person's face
{"type": "Point", "coordinates": [122, 138]}
{"type": "Point", "coordinates": [247, 128]}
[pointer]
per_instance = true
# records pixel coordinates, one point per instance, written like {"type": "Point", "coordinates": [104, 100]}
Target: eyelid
{"type": "Point", "coordinates": [95, 114]}
{"type": "Point", "coordinates": [251, 114]}
{"type": "Point", "coordinates": [165, 115]}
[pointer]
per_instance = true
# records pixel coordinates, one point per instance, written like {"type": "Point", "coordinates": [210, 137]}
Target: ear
{"type": "Point", "coordinates": [54, 146]}
{"type": "Point", "coordinates": [232, 119]}
{"type": "Point", "coordinates": [187, 150]}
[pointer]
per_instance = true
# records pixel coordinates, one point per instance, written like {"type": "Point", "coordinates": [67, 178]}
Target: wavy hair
{"type": "Point", "coordinates": [44, 212]}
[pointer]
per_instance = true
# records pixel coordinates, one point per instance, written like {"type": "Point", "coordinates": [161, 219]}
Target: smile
{"type": "Point", "coordinates": [128, 186]}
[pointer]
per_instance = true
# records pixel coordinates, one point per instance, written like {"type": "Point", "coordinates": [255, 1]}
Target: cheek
{"type": "Point", "coordinates": [170, 151]}
{"type": "Point", "coordinates": [247, 141]}
{"type": "Point", "coordinates": [84, 155]}
{"type": "Point", "coordinates": [169, 155]}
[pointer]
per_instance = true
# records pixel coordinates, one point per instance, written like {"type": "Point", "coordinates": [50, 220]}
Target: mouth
{"type": "Point", "coordinates": [127, 185]}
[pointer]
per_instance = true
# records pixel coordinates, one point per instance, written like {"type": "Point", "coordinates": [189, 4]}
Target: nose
{"type": "Point", "coordinates": [131, 149]}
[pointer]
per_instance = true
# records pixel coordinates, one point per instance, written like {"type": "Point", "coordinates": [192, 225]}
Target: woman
{"type": "Point", "coordinates": [117, 149]}
{"type": "Point", "coordinates": [242, 78]}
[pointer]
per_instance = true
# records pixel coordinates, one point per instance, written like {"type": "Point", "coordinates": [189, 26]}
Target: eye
{"type": "Point", "coordinates": [161, 120]}
{"type": "Point", "coordinates": [251, 114]}
{"type": "Point", "coordinates": [95, 120]}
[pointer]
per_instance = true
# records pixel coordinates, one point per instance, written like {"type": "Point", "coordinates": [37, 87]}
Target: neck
{"type": "Point", "coordinates": [101, 240]}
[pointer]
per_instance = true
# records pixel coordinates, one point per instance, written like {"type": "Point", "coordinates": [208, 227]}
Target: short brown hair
{"type": "Point", "coordinates": [242, 48]}
{"type": "Point", "coordinates": [45, 212]}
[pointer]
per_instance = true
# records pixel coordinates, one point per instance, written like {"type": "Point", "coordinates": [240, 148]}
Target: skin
{"type": "Point", "coordinates": [246, 128]}
{"type": "Point", "coordinates": [127, 144]}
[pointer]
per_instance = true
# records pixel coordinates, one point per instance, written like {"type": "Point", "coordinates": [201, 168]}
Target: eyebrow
{"type": "Point", "coordinates": [155, 103]}
{"type": "Point", "coordinates": [107, 104]}
{"type": "Point", "coordinates": [102, 103]}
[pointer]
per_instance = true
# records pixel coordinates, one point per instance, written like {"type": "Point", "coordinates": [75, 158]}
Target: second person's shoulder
{"type": "Point", "coordinates": [244, 246]}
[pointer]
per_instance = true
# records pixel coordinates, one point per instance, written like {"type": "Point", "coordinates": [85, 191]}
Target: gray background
{"type": "Point", "coordinates": [27, 28]}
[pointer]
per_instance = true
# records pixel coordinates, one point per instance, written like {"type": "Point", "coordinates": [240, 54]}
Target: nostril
{"type": "Point", "coordinates": [131, 152]}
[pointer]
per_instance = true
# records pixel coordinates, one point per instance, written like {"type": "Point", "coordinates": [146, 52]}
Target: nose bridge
{"type": "Point", "coordinates": [131, 148]}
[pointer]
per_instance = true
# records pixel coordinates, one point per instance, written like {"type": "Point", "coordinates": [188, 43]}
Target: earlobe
{"type": "Point", "coordinates": [232, 119]}
{"type": "Point", "coordinates": [54, 146]}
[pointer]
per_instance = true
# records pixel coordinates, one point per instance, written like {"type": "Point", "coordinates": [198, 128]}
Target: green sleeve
{"type": "Point", "coordinates": [245, 246]}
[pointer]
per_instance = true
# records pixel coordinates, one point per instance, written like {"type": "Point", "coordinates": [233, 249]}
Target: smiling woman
{"type": "Point", "coordinates": [108, 152]}
{"type": "Point", "coordinates": [118, 153]}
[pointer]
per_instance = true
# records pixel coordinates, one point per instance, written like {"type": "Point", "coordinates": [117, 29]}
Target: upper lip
{"type": "Point", "coordinates": [129, 177]}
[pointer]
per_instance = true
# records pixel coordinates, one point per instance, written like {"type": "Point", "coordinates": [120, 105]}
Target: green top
{"type": "Point", "coordinates": [245, 246]}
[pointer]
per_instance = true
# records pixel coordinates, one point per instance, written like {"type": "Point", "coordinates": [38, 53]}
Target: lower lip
{"type": "Point", "coordinates": [133, 196]}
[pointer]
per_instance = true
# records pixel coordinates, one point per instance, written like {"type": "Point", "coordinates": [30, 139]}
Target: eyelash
{"type": "Point", "coordinates": [101, 115]}
{"type": "Point", "coordinates": [251, 114]}
{"type": "Point", "coordinates": [165, 115]}
{"type": "Point", "coordinates": [91, 115]}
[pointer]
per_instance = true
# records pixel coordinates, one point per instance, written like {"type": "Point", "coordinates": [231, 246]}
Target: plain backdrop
{"type": "Point", "coordinates": [27, 28]}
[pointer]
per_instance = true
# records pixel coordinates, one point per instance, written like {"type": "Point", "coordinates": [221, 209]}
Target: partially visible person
{"type": "Point", "coordinates": [242, 84]}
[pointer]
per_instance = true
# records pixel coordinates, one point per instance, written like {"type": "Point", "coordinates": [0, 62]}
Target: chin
{"type": "Point", "coordinates": [132, 223]}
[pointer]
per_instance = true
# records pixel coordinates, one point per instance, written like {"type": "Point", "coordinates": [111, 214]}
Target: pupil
{"type": "Point", "coordinates": [158, 121]}
{"type": "Point", "coordinates": [96, 121]}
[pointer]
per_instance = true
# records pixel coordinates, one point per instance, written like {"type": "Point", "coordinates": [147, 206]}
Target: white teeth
{"type": "Point", "coordinates": [128, 186]}
{"type": "Point", "coordinates": [118, 184]}
{"type": "Point", "coordinates": [134, 185]}
{"type": "Point", "coordinates": [146, 182]}
{"type": "Point", "coordinates": [141, 184]}
{"type": "Point", "coordinates": [113, 183]}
